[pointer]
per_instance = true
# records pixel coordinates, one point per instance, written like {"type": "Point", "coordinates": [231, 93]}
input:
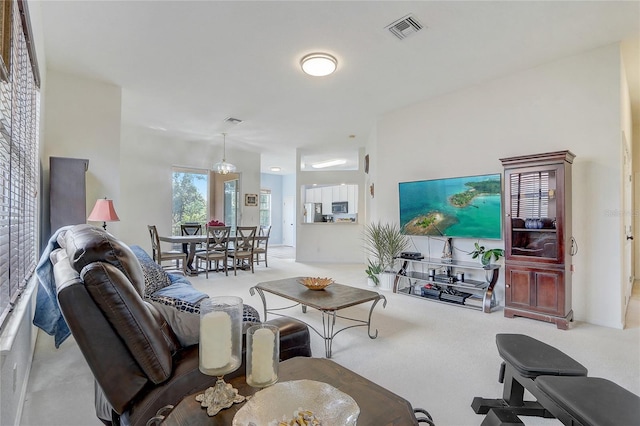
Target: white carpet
{"type": "Point", "coordinates": [436, 356]}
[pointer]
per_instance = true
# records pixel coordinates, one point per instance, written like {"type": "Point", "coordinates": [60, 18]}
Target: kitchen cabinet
{"type": "Point", "coordinates": [327, 199]}
{"type": "Point", "coordinates": [333, 193]}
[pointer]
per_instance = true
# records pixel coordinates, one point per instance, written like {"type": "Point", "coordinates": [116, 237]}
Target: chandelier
{"type": "Point", "coordinates": [222, 167]}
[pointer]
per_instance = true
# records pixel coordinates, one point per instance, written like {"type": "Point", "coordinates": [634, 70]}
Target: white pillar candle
{"type": "Point", "coordinates": [262, 356]}
{"type": "Point", "coordinates": [215, 339]}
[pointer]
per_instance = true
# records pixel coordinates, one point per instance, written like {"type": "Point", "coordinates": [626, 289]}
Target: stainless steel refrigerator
{"type": "Point", "coordinates": [312, 212]}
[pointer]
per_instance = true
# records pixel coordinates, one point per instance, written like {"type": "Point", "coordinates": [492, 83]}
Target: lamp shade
{"type": "Point", "coordinates": [104, 212]}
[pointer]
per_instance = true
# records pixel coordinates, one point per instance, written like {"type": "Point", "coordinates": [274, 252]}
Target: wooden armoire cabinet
{"type": "Point", "coordinates": [538, 237]}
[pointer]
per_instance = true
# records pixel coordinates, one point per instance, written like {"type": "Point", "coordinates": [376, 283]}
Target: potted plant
{"type": "Point", "coordinates": [385, 242]}
{"type": "Point", "coordinates": [485, 254]}
{"type": "Point", "coordinates": [373, 271]}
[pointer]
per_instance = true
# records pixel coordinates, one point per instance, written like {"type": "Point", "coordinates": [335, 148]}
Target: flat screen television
{"type": "Point", "coordinates": [461, 207]}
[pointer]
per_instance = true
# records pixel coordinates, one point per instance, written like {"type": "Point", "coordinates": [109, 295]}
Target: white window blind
{"type": "Point", "coordinates": [265, 207]}
{"type": "Point", "coordinates": [19, 171]}
{"type": "Point", "coordinates": [530, 195]}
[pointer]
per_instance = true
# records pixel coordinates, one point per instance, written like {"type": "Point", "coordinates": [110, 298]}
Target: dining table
{"type": "Point", "coordinates": [190, 246]}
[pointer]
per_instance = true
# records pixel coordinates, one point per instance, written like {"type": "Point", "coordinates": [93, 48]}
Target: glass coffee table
{"type": "Point", "coordinates": [328, 301]}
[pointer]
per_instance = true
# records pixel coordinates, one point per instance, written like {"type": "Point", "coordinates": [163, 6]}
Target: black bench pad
{"type": "Point", "coordinates": [532, 358]}
{"type": "Point", "coordinates": [592, 400]}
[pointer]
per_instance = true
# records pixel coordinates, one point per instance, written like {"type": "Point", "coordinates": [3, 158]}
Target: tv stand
{"type": "Point", "coordinates": [437, 280]}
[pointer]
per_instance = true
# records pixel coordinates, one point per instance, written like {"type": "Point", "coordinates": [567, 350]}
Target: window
{"type": "Point", "coordinates": [19, 169]}
{"type": "Point", "coordinates": [231, 203]}
{"type": "Point", "coordinates": [190, 197]}
{"type": "Point", "coordinates": [265, 207]}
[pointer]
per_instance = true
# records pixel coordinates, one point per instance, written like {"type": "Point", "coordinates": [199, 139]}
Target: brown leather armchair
{"type": "Point", "coordinates": [138, 364]}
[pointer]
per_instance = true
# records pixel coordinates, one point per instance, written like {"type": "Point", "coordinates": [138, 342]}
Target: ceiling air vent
{"type": "Point", "coordinates": [231, 120]}
{"type": "Point", "coordinates": [404, 27]}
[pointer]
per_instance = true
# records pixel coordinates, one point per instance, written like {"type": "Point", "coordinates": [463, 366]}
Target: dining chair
{"type": "Point", "coordinates": [216, 248]}
{"type": "Point", "coordinates": [243, 247]}
{"type": "Point", "coordinates": [192, 228]}
{"type": "Point", "coordinates": [161, 256]}
{"type": "Point", "coordinates": [261, 244]}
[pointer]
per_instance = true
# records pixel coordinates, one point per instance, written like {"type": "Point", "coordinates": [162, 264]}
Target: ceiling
{"type": "Point", "coordinates": [186, 66]}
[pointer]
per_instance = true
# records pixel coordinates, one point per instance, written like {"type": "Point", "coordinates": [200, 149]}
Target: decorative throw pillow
{"type": "Point", "coordinates": [155, 277]}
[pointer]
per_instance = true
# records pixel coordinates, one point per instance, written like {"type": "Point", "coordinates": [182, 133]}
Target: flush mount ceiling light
{"type": "Point", "coordinates": [329, 163]}
{"type": "Point", "coordinates": [318, 64]}
{"type": "Point", "coordinates": [222, 167]}
{"type": "Point", "coordinates": [275, 169]}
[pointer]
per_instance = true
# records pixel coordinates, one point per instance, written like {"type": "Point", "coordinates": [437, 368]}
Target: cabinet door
{"type": "Point", "coordinates": [352, 198]}
{"type": "Point", "coordinates": [537, 290]}
{"type": "Point", "coordinates": [534, 198]}
{"type": "Point", "coordinates": [67, 191]}
{"type": "Point", "coordinates": [344, 196]}
{"type": "Point", "coordinates": [327, 196]}
{"type": "Point", "coordinates": [335, 196]}
{"type": "Point", "coordinates": [317, 195]}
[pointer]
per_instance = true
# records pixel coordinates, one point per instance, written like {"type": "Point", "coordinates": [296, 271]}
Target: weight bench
{"type": "Point", "coordinates": [560, 385]}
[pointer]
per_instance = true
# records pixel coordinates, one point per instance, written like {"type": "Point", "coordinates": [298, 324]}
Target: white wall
{"type": "Point", "coordinates": [329, 242]}
{"type": "Point", "coordinates": [83, 121]}
{"type": "Point", "coordinates": [274, 183]}
{"type": "Point", "coordinates": [573, 104]}
{"type": "Point", "coordinates": [131, 165]}
{"type": "Point", "coordinates": [146, 192]}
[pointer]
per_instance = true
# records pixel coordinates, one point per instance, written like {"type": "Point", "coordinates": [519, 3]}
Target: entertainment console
{"type": "Point", "coordinates": [444, 280]}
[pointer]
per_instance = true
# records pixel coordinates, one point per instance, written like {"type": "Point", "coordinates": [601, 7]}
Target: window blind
{"type": "Point", "coordinates": [530, 195]}
{"type": "Point", "coordinates": [19, 171]}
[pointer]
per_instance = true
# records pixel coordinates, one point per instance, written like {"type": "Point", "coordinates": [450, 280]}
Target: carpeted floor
{"type": "Point", "coordinates": [436, 356]}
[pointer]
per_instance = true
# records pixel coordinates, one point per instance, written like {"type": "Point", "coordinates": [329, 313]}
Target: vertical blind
{"type": "Point", "coordinates": [19, 172]}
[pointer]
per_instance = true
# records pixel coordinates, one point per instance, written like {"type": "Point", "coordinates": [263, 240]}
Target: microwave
{"type": "Point", "coordinates": [340, 207]}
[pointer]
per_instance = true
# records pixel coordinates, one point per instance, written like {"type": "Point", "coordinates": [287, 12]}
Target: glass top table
{"type": "Point", "coordinates": [328, 301]}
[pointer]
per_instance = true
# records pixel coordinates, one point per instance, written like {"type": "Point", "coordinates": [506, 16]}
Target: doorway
{"type": "Point", "coordinates": [627, 223]}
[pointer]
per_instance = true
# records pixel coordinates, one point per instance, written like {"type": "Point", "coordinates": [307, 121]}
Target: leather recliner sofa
{"type": "Point", "coordinates": [136, 359]}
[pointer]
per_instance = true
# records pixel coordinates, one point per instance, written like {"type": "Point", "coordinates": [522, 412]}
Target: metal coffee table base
{"type": "Point", "coordinates": [328, 319]}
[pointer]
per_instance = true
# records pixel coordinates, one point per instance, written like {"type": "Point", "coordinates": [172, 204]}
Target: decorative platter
{"type": "Point", "coordinates": [283, 400]}
{"type": "Point", "coordinates": [316, 283]}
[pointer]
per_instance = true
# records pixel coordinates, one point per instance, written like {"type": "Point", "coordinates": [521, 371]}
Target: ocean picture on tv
{"type": "Point", "coordinates": [462, 207]}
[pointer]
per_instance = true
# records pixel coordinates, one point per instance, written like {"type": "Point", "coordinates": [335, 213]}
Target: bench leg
{"type": "Point", "coordinates": [513, 391]}
{"type": "Point", "coordinates": [512, 397]}
{"type": "Point", "coordinates": [498, 417]}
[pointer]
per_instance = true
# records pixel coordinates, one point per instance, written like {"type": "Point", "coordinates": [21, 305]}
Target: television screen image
{"type": "Point", "coordinates": [462, 207]}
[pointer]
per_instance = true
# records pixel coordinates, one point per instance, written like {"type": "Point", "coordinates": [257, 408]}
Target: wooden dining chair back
{"type": "Point", "coordinates": [243, 247]}
{"type": "Point", "coordinates": [216, 249]}
{"type": "Point", "coordinates": [160, 255]}
{"type": "Point", "coordinates": [260, 248]}
{"type": "Point", "coordinates": [191, 229]}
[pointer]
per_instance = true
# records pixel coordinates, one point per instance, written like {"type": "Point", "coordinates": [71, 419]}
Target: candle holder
{"type": "Point", "coordinates": [220, 350]}
{"type": "Point", "coordinates": [263, 355]}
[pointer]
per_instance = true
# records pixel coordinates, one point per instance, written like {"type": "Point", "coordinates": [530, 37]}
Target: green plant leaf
{"type": "Point", "coordinates": [384, 242]}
